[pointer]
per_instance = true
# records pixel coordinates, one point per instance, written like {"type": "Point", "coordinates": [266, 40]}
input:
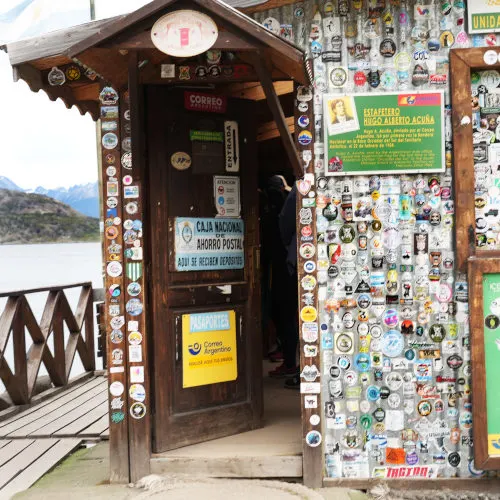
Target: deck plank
{"type": "Point", "coordinates": [47, 414]}
{"type": "Point", "coordinates": [13, 448]}
{"type": "Point", "coordinates": [98, 427]}
{"type": "Point", "coordinates": [67, 393]}
{"type": "Point", "coordinates": [24, 459]}
{"type": "Point", "coordinates": [4, 442]}
{"type": "Point", "coordinates": [79, 426]}
{"type": "Point", "coordinates": [46, 426]}
{"type": "Point", "coordinates": [41, 466]}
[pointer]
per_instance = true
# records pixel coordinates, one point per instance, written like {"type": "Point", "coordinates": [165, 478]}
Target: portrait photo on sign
{"type": "Point", "coordinates": [341, 115]}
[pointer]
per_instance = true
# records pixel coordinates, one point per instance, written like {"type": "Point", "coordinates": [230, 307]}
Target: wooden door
{"type": "Point", "coordinates": [184, 413]}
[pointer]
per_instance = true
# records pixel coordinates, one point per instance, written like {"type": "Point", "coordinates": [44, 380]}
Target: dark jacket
{"type": "Point", "coordinates": [288, 229]}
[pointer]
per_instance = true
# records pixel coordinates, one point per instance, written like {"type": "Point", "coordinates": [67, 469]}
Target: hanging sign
{"type": "Point", "coordinates": [208, 348]}
{"type": "Point", "coordinates": [209, 103]}
{"type": "Point", "coordinates": [227, 195]}
{"type": "Point", "coordinates": [208, 244]}
{"type": "Point", "coordinates": [491, 311]}
{"type": "Point", "coordinates": [390, 132]}
{"type": "Point", "coordinates": [232, 146]}
{"type": "Point", "coordinates": [484, 16]}
{"type": "Point", "coordinates": [184, 33]}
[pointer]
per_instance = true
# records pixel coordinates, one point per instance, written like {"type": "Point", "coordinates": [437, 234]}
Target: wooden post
{"type": "Point", "coordinates": [114, 299]}
{"type": "Point", "coordinates": [312, 455]}
{"type": "Point", "coordinates": [139, 428]}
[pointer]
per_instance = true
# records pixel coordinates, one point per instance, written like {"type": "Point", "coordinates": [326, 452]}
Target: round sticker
{"type": "Point", "coordinates": [313, 439]}
{"type": "Point", "coordinates": [492, 322]}
{"type": "Point", "coordinates": [114, 269]}
{"type": "Point", "coordinates": [135, 338]}
{"type": "Point", "coordinates": [308, 282]}
{"type": "Point", "coordinates": [137, 392]}
{"type": "Point", "coordinates": [116, 389]}
{"type": "Point", "coordinates": [111, 171]}
{"type": "Point", "coordinates": [56, 77]}
{"type": "Point", "coordinates": [134, 307]}
{"type": "Point", "coordinates": [137, 410]}
{"type": "Point", "coordinates": [180, 160]}
{"type": "Point", "coordinates": [116, 336]}
{"type": "Point", "coordinates": [343, 343]}
{"type": "Point", "coordinates": [109, 140]}
{"type": "Point", "coordinates": [392, 343]}
{"type": "Point", "coordinates": [338, 77]}
{"type": "Point", "coordinates": [303, 121]}
{"type": "Point", "coordinates": [108, 96]}
{"type": "Point", "coordinates": [112, 202]}
{"type": "Point", "coordinates": [308, 314]}
{"type": "Point", "coordinates": [132, 207]}
{"type": "Point", "coordinates": [134, 289]}
{"type": "Point", "coordinates": [305, 137]}
{"type": "Point", "coordinates": [126, 161]}
{"type": "Point", "coordinates": [307, 250]}
{"type": "Point", "coordinates": [314, 419]}
{"type": "Point", "coordinates": [490, 57]}
{"type": "Point", "coordinates": [309, 266]}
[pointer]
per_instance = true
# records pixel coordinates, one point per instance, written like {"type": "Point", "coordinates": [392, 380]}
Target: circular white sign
{"type": "Point", "coordinates": [184, 33]}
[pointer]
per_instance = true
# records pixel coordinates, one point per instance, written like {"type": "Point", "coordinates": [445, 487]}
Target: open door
{"type": "Point", "coordinates": [206, 376]}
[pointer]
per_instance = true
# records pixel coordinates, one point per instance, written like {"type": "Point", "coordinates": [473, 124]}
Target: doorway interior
{"type": "Point", "coordinates": [275, 449]}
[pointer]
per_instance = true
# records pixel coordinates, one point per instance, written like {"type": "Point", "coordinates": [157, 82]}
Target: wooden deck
{"type": "Point", "coordinates": [35, 440]}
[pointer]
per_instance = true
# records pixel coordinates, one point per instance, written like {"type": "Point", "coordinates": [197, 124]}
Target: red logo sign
{"type": "Point", "coordinates": [197, 101]}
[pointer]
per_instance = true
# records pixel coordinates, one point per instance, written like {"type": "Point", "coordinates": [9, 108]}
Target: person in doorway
{"type": "Point", "coordinates": [277, 191]}
{"type": "Point", "coordinates": [291, 337]}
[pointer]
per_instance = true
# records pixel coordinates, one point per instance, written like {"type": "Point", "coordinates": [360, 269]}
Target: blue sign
{"type": "Point", "coordinates": [208, 244]}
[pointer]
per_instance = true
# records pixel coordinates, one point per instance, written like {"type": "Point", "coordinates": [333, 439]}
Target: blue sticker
{"type": "Point", "coordinates": [362, 362]}
{"type": "Point", "coordinates": [372, 393]}
{"type": "Point", "coordinates": [305, 137]}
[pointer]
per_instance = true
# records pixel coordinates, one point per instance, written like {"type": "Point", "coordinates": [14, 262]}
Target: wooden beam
{"type": "Point", "coordinates": [271, 4]}
{"type": "Point", "coordinates": [225, 41]}
{"type": "Point", "coordinates": [277, 111]}
{"type": "Point", "coordinates": [254, 90]}
{"type": "Point", "coordinates": [269, 130]}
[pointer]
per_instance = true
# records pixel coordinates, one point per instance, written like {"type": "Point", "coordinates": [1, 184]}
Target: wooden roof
{"type": "Point", "coordinates": [101, 49]}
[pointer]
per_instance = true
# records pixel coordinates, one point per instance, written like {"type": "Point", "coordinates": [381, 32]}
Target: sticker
{"type": "Point", "coordinates": [56, 77]}
{"type": "Point", "coordinates": [116, 336]}
{"type": "Point", "coordinates": [137, 374]}
{"type": "Point", "coordinates": [490, 57]}
{"type": "Point", "coordinates": [131, 192]}
{"type": "Point", "coordinates": [134, 338]}
{"type": "Point", "coordinates": [116, 389]}
{"type": "Point", "coordinates": [137, 392]}
{"type": "Point", "coordinates": [108, 96]}
{"type": "Point", "coordinates": [135, 354]}
{"type": "Point", "coordinates": [109, 140]}
{"type": "Point", "coordinates": [134, 307]}
{"type": "Point", "coordinates": [308, 314]}
{"type": "Point", "coordinates": [117, 417]}
{"type": "Point", "coordinates": [180, 160]}
{"type": "Point", "coordinates": [307, 250]}
{"type": "Point", "coordinates": [314, 419]}
{"type": "Point", "coordinates": [126, 161]}
{"type": "Point", "coordinates": [392, 344]}
{"type": "Point", "coordinates": [313, 439]}
{"type": "Point", "coordinates": [114, 269]}
{"type": "Point", "coordinates": [138, 410]}
{"type": "Point", "coordinates": [304, 137]}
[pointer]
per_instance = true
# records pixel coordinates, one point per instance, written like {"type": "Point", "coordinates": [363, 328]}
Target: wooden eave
{"type": "Point", "coordinates": [103, 46]}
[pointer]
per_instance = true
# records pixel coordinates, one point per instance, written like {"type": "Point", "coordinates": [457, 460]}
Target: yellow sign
{"type": "Point", "coordinates": [208, 348]}
{"type": "Point", "coordinates": [494, 444]}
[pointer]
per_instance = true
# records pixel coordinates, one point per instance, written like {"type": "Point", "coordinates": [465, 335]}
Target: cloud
{"type": "Point", "coordinates": [42, 142]}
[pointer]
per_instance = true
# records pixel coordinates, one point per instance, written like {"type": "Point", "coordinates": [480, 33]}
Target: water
{"type": "Point", "coordinates": [25, 267]}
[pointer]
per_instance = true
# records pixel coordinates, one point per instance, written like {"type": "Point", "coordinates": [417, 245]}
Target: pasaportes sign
{"type": "Point", "coordinates": [484, 16]}
{"type": "Point", "coordinates": [384, 133]}
{"type": "Point", "coordinates": [208, 348]}
{"type": "Point", "coordinates": [209, 244]}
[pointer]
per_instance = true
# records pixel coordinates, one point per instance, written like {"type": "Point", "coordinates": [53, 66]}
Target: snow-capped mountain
{"type": "Point", "coordinates": [6, 183]}
{"type": "Point", "coordinates": [83, 197]}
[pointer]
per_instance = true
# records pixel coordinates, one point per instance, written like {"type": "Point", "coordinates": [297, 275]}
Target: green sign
{"type": "Point", "coordinates": [206, 136]}
{"type": "Point", "coordinates": [491, 312]}
{"type": "Point", "coordinates": [378, 133]}
{"type": "Point", "coordinates": [484, 16]}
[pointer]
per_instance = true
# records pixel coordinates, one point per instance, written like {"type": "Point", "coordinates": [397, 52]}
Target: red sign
{"type": "Point", "coordinates": [197, 101]}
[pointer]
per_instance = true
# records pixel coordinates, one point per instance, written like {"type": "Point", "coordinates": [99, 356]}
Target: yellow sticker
{"type": "Point", "coordinates": [308, 313]}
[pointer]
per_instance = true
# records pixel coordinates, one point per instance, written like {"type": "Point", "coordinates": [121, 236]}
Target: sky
{"type": "Point", "coordinates": [42, 143]}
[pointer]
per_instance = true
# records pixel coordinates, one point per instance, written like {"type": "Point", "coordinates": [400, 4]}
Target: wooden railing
{"type": "Point", "coordinates": [17, 319]}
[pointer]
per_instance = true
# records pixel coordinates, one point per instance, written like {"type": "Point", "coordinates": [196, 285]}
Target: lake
{"type": "Point", "coordinates": [35, 266]}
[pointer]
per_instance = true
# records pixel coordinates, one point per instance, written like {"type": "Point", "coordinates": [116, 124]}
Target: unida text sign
{"type": "Point", "coordinates": [209, 244]}
{"type": "Point", "coordinates": [377, 133]}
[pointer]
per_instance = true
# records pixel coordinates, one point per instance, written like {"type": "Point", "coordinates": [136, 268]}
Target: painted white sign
{"type": "Point", "coordinates": [484, 16]}
{"type": "Point", "coordinates": [231, 142]}
{"type": "Point", "coordinates": [184, 33]}
{"type": "Point", "coordinates": [227, 195]}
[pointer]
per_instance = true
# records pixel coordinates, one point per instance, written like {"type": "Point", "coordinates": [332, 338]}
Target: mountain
{"type": "Point", "coordinates": [6, 183]}
{"type": "Point", "coordinates": [34, 218]}
{"type": "Point", "coordinates": [84, 197]}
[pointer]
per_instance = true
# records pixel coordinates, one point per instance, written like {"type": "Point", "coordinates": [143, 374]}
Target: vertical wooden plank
{"type": "Point", "coordinates": [463, 162]}
{"type": "Point", "coordinates": [114, 293]}
{"type": "Point", "coordinates": [139, 423]}
{"type": "Point", "coordinates": [312, 455]}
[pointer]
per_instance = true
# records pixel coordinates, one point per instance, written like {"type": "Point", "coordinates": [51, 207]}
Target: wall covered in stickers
{"type": "Point", "coordinates": [384, 314]}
